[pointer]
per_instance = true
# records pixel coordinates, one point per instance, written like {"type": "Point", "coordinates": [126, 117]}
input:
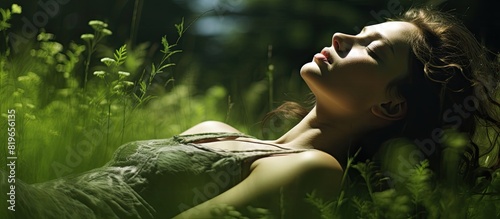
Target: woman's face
{"type": "Point", "coordinates": [353, 73]}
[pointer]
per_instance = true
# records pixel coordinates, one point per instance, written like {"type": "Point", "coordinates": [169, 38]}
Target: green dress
{"type": "Point", "coordinates": [145, 179]}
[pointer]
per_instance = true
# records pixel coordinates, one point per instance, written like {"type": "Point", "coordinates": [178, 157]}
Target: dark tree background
{"type": "Point", "coordinates": [230, 40]}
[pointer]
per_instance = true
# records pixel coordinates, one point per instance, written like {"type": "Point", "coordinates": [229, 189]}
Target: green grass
{"type": "Point", "coordinates": [75, 104]}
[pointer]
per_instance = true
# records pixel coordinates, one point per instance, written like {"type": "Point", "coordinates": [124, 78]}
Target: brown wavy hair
{"type": "Point", "coordinates": [451, 72]}
{"type": "Point", "coordinates": [452, 85]}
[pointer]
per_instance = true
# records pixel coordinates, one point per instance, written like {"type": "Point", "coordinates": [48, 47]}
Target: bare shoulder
{"type": "Point", "coordinates": [312, 169]}
{"type": "Point", "coordinates": [210, 126]}
{"type": "Point", "coordinates": [278, 179]}
{"type": "Point", "coordinates": [314, 159]}
{"type": "Point", "coordinates": [294, 176]}
{"type": "Point", "coordinates": [303, 161]}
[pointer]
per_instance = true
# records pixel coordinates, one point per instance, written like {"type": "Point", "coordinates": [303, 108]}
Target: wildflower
{"type": "Point", "coordinates": [16, 9]}
{"type": "Point", "coordinates": [54, 48]}
{"type": "Point", "coordinates": [31, 77]}
{"type": "Point", "coordinates": [108, 61]}
{"type": "Point", "coordinates": [60, 68]}
{"type": "Point", "coordinates": [100, 74]}
{"type": "Point", "coordinates": [18, 93]}
{"type": "Point", "coordinates": [118, 87]}
{"type": "Point", "coordinates": [128, 83]}
{"type": "Point", "coordinates": [97, 25]}
{"type": "Point", "coordinates": [31, 106]}
{"type": "Point", "coordinates": [84, 106]}
{"type": "Point", "coordinates": [123, 74]}
{"type": "Point", "coordinates": [106, 32]}
{"type": "Point", "coordinates": [87, 37]}
{"type": "Point", "coordinates": [270, 67]}
{"type": "Point", "coordinates": [45, 36]}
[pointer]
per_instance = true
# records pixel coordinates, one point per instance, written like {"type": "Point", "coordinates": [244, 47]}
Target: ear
{"type": "Point", "coordinates": [392, 110]}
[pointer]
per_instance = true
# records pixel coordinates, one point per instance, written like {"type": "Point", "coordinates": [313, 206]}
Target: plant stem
{"type": "Point", "coordinates": [87, 64]}
{"type": "Point", "coordinates": [270, 72]}
{"type": "Point", "coordinates": [109, 124]}
{"type": "Point", "coordinates": [6, 44]}
{"type": "Point", "coordinates": [344, 176]}
{"type": "Point", "coordinates": [123, 118]}
{"type": "Point", "coordinates": [135, 21]}
{"type": "Point", "coordinates": [92, 45]}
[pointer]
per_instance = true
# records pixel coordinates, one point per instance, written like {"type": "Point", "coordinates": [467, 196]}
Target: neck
{"type": "Point", "coordinates": [325, 134]}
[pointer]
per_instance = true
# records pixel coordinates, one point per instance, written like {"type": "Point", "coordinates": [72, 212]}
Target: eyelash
{"type": "Point", "coordinates": [372, 53]}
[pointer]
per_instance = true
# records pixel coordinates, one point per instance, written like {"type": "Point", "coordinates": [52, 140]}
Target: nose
{"type": "Point", "coordinates": [342, 43]}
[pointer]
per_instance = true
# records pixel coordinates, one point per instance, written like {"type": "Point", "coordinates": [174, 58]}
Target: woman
{"type": "Point", "coordinates": [412, 77]}
{"type": "Point", "coordinates": [394, 79]}
{"type": "Point", "coordinates": [349, 80]}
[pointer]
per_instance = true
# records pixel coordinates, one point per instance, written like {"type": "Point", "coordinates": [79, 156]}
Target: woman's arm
{"type": "Point", "coordinates": [293, 174]}
{"type": "Point", "coordinates": [210, 126]}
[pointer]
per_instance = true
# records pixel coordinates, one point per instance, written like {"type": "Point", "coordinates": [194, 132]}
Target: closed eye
{"type": "Point", "coordinates": [373, 53]}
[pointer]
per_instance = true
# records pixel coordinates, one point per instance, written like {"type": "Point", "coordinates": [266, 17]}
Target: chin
{"type": "Point", "coordinates": [310, 69]}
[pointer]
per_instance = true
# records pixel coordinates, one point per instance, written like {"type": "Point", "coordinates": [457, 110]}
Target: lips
{"type": "Point", "coordinates": [328, 56]}
{"type": "Point", "coordinates": [325, 56]}
{"type": "Point", "coordinates": [321, 57]}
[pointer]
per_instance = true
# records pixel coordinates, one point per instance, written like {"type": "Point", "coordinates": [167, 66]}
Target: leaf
{"type": "Point", "coordinates": [143, 86]}
{"type": "Point", "coordinates": [326, 208]}
{"type": "Point", "coordinates": [165, 66]}
{"type": "Point", "coordinates": [172, 53]}
{"type": "Point", "coordinates": [121, 55]}
{"type": "Point", "coordinates": [418, 183]}
{"type": "Point", "coordinates": [180, 27]}
{"type": "Point", "coordinates": [148, 98]}
{"type": "Point", "coordinates": [5, 14]}
{"type": "Point", "coordinates": [4, 25]}
{"type": "Point", "coordinates": [137, 97]}
{"type": "Point", "coordinates": [153, 67]}
{"type": "Point", "coordinates": [166, 45]}
{"type": "Point", "coordinates": [171, 80]}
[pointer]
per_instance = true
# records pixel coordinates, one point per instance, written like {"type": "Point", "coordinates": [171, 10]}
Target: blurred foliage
{"type": "Point", "coordinates": [228, 45]}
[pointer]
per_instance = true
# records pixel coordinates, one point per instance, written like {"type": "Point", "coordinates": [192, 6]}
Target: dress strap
{"type": "Point", "coordinates": [184, 139]}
